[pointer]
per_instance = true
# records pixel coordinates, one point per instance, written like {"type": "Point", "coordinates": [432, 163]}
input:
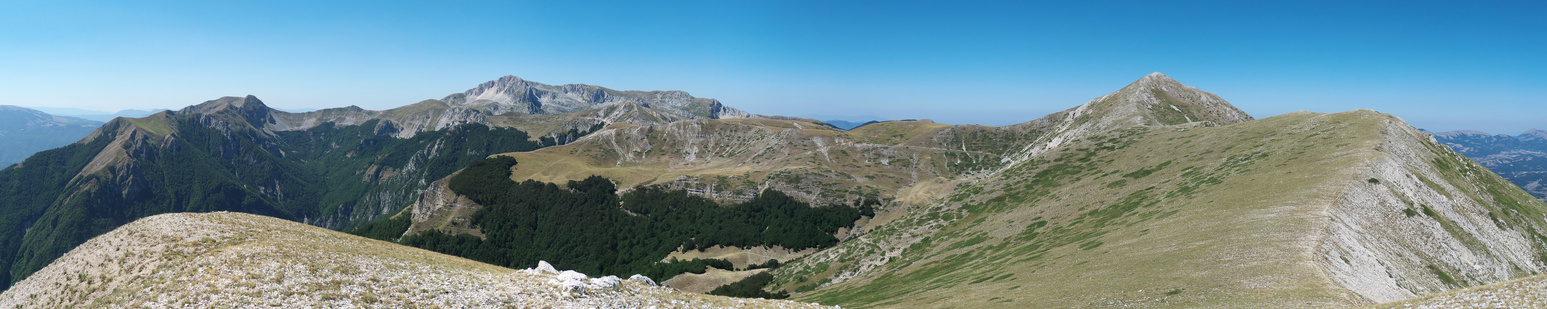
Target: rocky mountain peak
{"type": "Point", "coordinates": [248, 103]}
{"type": "Point", "coordinates": [1156, 99]}
{"type": "Point", "coordinates": [232, 112]}
{"type": "Point", "coordinates": [1156, 78]}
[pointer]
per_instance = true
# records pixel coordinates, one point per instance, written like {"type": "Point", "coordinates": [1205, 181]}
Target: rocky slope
{"type": "Point", "coordinates": [1522, 159]}
{"type": "Point", "coordinates": [1150, 210]}
{"type": "Point", "coordinates": [241, 260]}
{"type": "Point", "coordinates": [24, 132]}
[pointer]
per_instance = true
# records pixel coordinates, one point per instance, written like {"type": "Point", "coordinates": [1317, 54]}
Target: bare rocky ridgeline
{"type": "Point", "coordinates": [239, 260]}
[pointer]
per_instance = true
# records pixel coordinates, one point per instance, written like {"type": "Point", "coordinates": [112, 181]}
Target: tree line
{"type": "Point", "coordinates": [585, 226]}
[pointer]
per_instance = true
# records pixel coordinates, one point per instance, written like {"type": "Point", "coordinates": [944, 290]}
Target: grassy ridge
{"type": "Point", "coordinates": [1143, 216]}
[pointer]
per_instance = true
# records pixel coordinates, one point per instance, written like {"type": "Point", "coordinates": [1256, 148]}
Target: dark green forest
{"type": "Point", "coordinates": [751, 287]}
{"type": "Point", "coordinates": [328, 175]}
{"type": "Point", "coordinates": [586, 227]}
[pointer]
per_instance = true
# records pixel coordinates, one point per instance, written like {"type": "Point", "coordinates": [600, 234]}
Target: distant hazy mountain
{"type": "Point", "coordinates": [26, 131]}
{"type": "Point", "coordinates": [98, 116]}
{"type": "Point", "coordinates": [1522, 159]}
{"type": "Point", "coordinates": [845, 122]}
{"type": "Point", "coordinates": [846, 125]}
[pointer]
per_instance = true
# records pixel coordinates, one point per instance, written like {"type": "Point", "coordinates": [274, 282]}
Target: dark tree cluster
{"type": "Point", "coordinates": [586, 227]}
{"type": "Point", "coordinates": [751, 287]}
{"type": "Point", "coordinates": [568, 136]}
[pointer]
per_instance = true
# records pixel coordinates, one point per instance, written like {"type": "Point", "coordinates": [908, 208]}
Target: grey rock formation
{"type": "Point", "coordinates": [642, 279]}
{"type": "Point", "coordinates": [513, 94]}
{"type": "Point", "coordinates": [544, 267]}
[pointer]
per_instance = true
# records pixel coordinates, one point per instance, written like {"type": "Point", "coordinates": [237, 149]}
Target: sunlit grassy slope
{"type": "Point", "coordinates": [1254, 214]}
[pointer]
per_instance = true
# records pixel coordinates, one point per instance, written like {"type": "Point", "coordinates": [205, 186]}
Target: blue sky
{"type": "Point", "coordinates": [1439, 65]}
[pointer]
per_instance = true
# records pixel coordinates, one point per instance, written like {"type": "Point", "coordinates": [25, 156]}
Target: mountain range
{"type": "Point", "coordinates": [1522, 158]}
{"type": "Point", "coordinates": [336, 168]}
{"type": "Point", "coordinates": [1156, 195]}
{"type": "Point", "coordinates": [25, 131]}
{"type": "Point", "coordinates": [1188, 200]}
{"type": "Point", "coordinates": [98, 116]}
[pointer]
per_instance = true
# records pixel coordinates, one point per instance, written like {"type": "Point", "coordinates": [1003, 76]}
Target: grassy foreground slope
{"type": "Point", "coordinates": [242, 260]}
{"type": "Point", "coordinates": [1529, 292]}
{"type": "Point", "coordinates": [1299, 210]}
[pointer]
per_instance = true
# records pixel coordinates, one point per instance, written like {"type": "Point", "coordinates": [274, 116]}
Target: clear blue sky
{"type": "Point", "coordinates": [1441, 65]}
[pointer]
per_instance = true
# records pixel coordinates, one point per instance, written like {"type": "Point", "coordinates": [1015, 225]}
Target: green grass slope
{"type": "Point", "coordinates": [1299, 210]}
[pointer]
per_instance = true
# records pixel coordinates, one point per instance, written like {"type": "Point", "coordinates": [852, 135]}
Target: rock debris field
{"type": "Point", "coordinates": [224, 260]}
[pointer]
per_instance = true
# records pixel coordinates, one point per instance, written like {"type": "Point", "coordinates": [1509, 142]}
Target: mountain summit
{"type": "Point", "coordinates": [1156, 99]}
{"type": "Point", "coordinates": [1153, 100]}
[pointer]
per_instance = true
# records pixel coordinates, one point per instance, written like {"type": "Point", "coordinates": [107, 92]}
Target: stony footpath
{"type": "Point", "coordinates": [248, 261]}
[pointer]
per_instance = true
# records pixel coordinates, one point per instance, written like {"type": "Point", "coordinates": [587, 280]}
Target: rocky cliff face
{"type": "Point", "coordinates": [232, 259]}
